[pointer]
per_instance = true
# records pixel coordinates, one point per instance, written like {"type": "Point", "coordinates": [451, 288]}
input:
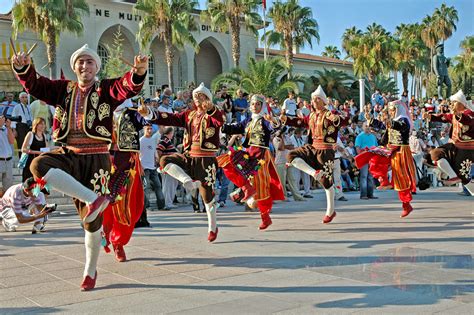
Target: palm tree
{"type": "Point", "coordinates": [445, 21]}
{"type": "Point", "coordinates": [48, 19]}
{"type": "Point", "coordinates": [464, 66]}
{"type": "Point", "coordinates": [331, 52]}
{"type": "Point", "coordinates": [172, 20]}
{"type": "Point", "coordinates": [334, 82]}
{"type": "Point", "coordinates": [293, 27]}
{"type": "Point", "coordinates": [349, 35]}
{"type": "Point", "coordinates": [262, 77]}
{"type": "Point", "coordinates": [229, 14]}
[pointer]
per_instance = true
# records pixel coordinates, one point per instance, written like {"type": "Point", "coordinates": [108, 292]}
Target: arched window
{"type": "Point", "coordinates": [103, 54]}
{"type": "Point", "coordinates": [151, 71]}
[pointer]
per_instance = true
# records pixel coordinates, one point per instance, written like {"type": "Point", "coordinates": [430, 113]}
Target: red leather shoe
{"type": "Point", "coordinates": [266, 221]}
{"type": "Point", "coordinates": [249, 191]}
{"type": "Point", "coordinates": [120, 253]}
{"type": "Point", "coordinates": [88, 283]}
{"type": "Point", "coordinates": [328, 219]}
{"type": "Point", "coordinates": [212, 235]}
{"type": "Point", "coordinates": [407, 208]}
{"type": "Point", "coordinates": [96, 208]}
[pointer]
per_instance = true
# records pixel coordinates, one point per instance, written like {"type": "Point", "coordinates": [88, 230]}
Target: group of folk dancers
{"type": "Point", "coordinates": [98, 163]}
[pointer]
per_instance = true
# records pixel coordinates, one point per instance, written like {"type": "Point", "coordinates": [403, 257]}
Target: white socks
{"type": "Point", "coordinates": [300, 164]}
{"type": "Point", "coordinates": [178, 173]}
{"type": "Point", "coordinates": [211, 216]}
{"type": "Point", "coordinates": [66, 184]}
{"type": "Point", "coordinates": [444, 166]}
{"type": "Point", "coordinates": [92, 242]}
{"type": "Point", "coordinates": [330, 200]}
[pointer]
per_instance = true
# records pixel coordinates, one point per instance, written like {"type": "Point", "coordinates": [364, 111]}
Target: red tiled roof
{"type": "Point", "coordinates": [6, 17]}
{"type": "Point", "coordinates": [309, 57]}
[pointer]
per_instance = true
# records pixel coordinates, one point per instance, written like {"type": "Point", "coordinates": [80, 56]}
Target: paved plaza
{"type": "Point", "coordinates": [367, 261]}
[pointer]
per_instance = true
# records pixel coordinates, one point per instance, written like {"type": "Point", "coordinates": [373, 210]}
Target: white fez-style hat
{"type": "Point", "coordinates": [319, 92]}
{"type": "Point", "coordinates": [204, 90]}
{"type": "Point", "coordinates": [461, 98]}
{"type": "Point", "coordinates": [83, 51]}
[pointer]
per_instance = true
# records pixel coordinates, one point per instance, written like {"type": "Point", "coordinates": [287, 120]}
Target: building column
{"type": "Point", "coordinates": [362, 94]}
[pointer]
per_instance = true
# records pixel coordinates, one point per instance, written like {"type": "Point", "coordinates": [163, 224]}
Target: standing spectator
{"type": "Point", "coordinates": [178, 103]}
{"type": "Point", "coordinates": [157, 94]}
{"type": "Point", "coordinates": [18, 205]}
{"type": "Point", "coordinates": [34, 144]}
{"type": "Point", "coordinates": [228, 104]}
{"type": "Point", "coordinates": [413, 102]}
{"type": "Point", "coordinates": [221, 178]}
{"type": "Point", "coordinates": [339, 151]}
{"type": "Point", "coordinates": [170, 184]}
{"type": "Point", "coordinates": [7, 106]}
{"type": "Point", "coordinates": [6, 164]}
{"type": "Point", "coordinates": [417, 147]}
{"type": "Point", "coordinates": [364, 141]}
{"type": "Point", "coordinates": [404, 97]}
{"type": "Point", "coordinates": [444, 138]}
{"type": "Point", "coordinates": [40, 109]}
{"type": "Point", "coordinates": [22, 128]}
{"type": "Point", "coordinates": [289, 105]}
{"type": "Point", "coordinates": [377, 99]}
{"type": "Point", "coordinates": [305, 110]}
{"type": "Point", "coordinates": [273, 103]}
{"type": "Point", "coordinates": [297, 141]}
{"type": "Point", "coordinates": [241, 106]}
{"type": "Point", "coordinates": [148, 145]}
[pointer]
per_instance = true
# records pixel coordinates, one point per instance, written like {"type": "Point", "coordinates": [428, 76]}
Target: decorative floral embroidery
{"type": "Point", "coordinates": [211, 175]}
{"type": "Point", "coordinates": [103, 131]}
{"type": "Point", "coordinates": [58, 113]}
{"type": "Point", "coordinates": [127, 134]}
{"type": "Point", "coordinates": [328, 169]}
{"type": "Point", "coordinates": [104, 111]}
{"type": "Point", "coordinates": [94, 99]}
{"type": "Point", "coordinates": [210, 132]}
{"type": "Point", "coordinates": [465, 169]}
{"type": "Point", "coordinates": [100, 182]}
{"type": "Point", "coordinates": [70, 86]}
{"type": "Point", "coordinates": [209, 145]}
{"type": "Point", "coordinates": [90, 119]}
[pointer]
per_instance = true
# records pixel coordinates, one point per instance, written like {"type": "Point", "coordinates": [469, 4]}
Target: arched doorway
{"type": "Point", "coordinates": [106, 43]}
{"type": "Point", "coordinates": [208, 62]}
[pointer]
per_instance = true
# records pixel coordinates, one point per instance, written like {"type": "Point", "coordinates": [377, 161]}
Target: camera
{"type": "Point", "coordinates": [13, 118]}
{"type": "Point", "coordinates": [29, 123]}
{"type": "Point", "coordinates": [51, 207]}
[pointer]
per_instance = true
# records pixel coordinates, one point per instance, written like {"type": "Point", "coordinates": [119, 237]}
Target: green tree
{"type": "Point", "coordinates": [348, 37]}
{"type": "Point", "coordinates": [293, 27]}
{"type": "Point", "coordinates": [172, 21]}
{"type": "Point", "coordinates": [334, 82]}
{"type": "Point", "coordinates": [464, 63]}
{"type": "Point", "coordinates": [229, 14]}
{"type": "Point", "coordinates": [114, 67]}
{"type": "Point", "coordinates": [261, 77]}
{"type": "Point", "coordinates": [48, 19]}
{"type": "Point", "coordinates": [331, 52]}
{"type": "Point", "coordinates": [445, 19]}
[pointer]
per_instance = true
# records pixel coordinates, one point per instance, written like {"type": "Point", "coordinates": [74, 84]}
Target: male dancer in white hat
{"type": "Point", "coordinates": [456, 157]}
{"type": "Point", "coordinates": [317, 158]}
{"type": "Point", "coordinates": [197, 167]}
{"type": "Point", "coordinates": [83, 125]}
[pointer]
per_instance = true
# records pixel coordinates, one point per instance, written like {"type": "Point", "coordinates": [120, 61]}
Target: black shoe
{"type": "Point", "coordinates": [342, 199]}
{"type": "Point", "coordinates": [308, 196]}
{"type": "Point", "coordinates": [364, 198]}
{"type": "Point", "coordinates": [373, 197]}
{"type": "Point", "coordinates": [140, 224]}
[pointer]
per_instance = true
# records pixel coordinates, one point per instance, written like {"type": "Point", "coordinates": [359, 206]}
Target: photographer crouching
{"type": "Point", "coordinates": [20, 206]}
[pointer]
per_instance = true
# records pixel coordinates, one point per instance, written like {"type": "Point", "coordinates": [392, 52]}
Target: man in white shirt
{"type": "Point", "coordinates": [22, 128]}
{"type": "Point", "coordinates": [148, 144]}
{"type": "Point", "coordinates": [6, 107]}
{"type": "Point", "coordinates": [298, 141]}
{"type": "Point", "coordinates": [289, 105]}
{"type": "Point", "coordinates": [337, 170]}
{"type": "Point", "coordinates": [18, 206]}
{"type": "Point", "coordinates": [6, 163]}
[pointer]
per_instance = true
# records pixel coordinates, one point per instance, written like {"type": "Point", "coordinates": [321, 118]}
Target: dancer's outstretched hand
{"type": "Point", "coordinates": [20, 60]}
{"type": "Point", "coordinates": [140, 64]}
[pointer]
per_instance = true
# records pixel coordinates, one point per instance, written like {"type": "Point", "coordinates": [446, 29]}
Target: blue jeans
{"type": "Point", "coordinates": [366, 182]}
{"type": "Point", "coordinates": [224, 182]}
{"type": "Point", "coordinates": [153, 181]}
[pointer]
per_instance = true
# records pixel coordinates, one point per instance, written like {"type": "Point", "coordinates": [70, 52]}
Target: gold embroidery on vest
{"type": "Point", "coordinates": [209, 145]}
{"type": "Point", "coordinates": [103, 131]}
{"type": "Point", "coordinates": [104, 111]}
{"type": "Point", "coordinates": [210, 132]}
{"type": "Point", "coordinates": [94, 99]}
{"type": "Point", "coordinates": [90, 118]}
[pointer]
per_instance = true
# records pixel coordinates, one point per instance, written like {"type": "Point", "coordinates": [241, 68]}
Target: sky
{"type": "Point", "coordinates": [335, 16]}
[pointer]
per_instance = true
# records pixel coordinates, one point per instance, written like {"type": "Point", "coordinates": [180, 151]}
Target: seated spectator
{"type": "Point", "coordinates": [289, 105]}
{"type": "Point", "coordinates": [19, 206]}
{"type": "Point", "coordinates": [178, 103]}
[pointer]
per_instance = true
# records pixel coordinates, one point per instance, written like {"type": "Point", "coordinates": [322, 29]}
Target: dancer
{"type": "Point", "coordinates": [455, 158]}
{"type": "Point", "coordinates": [197, 165]}
{"type": "Point", "coordinates": [317, 159]}
{"type": "Point", "coordinates": [125, 184]}
{"type": "Point", "coordinates": [83, 125]}
{"type": "Point", "coordinates": [397, 154]}
{"type": "Point", "coordinates": [252, 169]}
